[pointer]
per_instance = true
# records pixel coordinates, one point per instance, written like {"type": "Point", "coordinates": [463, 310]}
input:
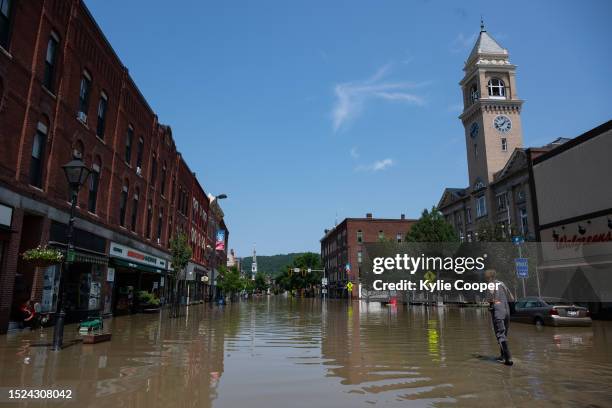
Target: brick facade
{"type": "Point", "coordinates": [41, 104]}
{"type": "Point", "coordinates": [342, 245]}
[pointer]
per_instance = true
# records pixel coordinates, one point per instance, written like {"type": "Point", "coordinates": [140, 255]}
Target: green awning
{"type": "Point", "coordinates": [135, 265]}
{"type": "Point", "coordinates": [89, 258]}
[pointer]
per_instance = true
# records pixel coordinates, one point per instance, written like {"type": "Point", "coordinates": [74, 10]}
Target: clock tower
{"type": "Point", "coordinates": [492, 110]}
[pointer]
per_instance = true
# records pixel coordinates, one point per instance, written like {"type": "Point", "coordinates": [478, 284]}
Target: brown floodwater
{"type": "Point", "coordinates": [280, 352]}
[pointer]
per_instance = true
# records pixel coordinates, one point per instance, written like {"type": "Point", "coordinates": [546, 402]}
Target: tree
{"type": "Point", "coordinates": [181, 254]}
{"type": "Point", "coordinates": [432, 227]}
{"type": "Point", "coordinates": [261, 282]}
{"type": "Point", "coordinates": [291, 280]}
{"type": "Point", "coordinates": [230, 281]}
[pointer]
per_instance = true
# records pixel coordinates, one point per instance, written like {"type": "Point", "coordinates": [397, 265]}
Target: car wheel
{"type": "Point", "coordinates": [539, 322]}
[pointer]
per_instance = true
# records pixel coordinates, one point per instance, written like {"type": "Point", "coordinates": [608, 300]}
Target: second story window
{"type": "Point", "coordinates": [5, 22]}
{"type": "Point", "coordinates": [160, 223]}
{"type": "Point", "coordinates": [398, 237]}
{"type": "Point", "coordinates": [139, 153]}
{"type": "Point", "coordinates": [481, 206]}
{"type": "Point", "coordinates": [128, 144]}
{"type": "Point", "coordinates": [84, 96]}
{"type": "Point", "coordinates": [149, 216]}
{"type": "Point", "coordinates": [123, 205]}
{"type": "Point", "coordinates": [102, 107]}
{"type": "Point", "coordinates": [50, 61]}
{"type": "Point", "coordinates": [37, 162]}
{"type": "Point", "coordinates": [94, 184]}
{"type": "Point", "coordinates": [134, 210]}
{"type": "Point", "coordinates": [154, 169]}
{"type": "Point", "coordinates": [163, 180]}
{"type": "Point", "coordinates": [381, 235]}
{"type": "Point", "coordinates": [360, 236]}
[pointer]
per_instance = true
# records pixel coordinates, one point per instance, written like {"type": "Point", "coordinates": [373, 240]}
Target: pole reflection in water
{"type": "Point", "coordinates": [307, 353]}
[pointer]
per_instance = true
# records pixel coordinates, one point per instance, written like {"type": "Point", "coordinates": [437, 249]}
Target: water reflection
{"type": "Point", "coordinates": [276, 352]}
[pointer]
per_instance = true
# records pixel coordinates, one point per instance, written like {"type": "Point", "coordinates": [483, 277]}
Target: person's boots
{"type": "Point", "coordinates": [506, 352]}
{"type": "Point", "coordinates": [501, 357]}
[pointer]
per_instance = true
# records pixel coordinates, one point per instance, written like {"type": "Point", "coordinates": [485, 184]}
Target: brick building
{"type": "Point", "coordinates": [342, 248]}
{"type": "Point", "coordinates": [64, 91]}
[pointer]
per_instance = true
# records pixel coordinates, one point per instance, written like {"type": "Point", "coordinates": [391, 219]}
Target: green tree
{"type": "Point", "coordinates": [291, 280]}
{"type": "Point", "coordinates": [181, 254]}
{"type": "Point", "coordinates": [230, 281]}
{"type": "Point", "coordinates": [261, 282]}
{"type": "Point", "coordinates": [432, 227]}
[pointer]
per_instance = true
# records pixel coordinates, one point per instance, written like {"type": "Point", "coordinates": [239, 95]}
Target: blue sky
{"type": "Point", "coordinates": [301, 110]}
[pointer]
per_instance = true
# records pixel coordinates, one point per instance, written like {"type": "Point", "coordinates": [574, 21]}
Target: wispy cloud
{"type": "Point", "coordinates": [354, 153]}
{"type": "Point", "coordinates": [463, 42]}
{"type": "Point", "coordinates": [351, 97]}
{"type": "Point", "coordinates": [378, 165]}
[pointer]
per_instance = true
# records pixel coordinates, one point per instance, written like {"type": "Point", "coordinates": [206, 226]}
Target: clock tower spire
{"type": "Point", "coordinates": [491, 113]}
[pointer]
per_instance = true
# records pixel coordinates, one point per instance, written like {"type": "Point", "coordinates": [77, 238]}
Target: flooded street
{"type": "Point", "coordinates": [304, 353]}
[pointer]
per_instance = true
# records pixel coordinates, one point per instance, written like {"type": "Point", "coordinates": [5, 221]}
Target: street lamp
{"type": "Point", "coordinates": [76, 173]}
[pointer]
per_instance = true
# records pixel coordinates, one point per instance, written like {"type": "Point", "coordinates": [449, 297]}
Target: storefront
{"type": "Point", "coordinates": [132, 273]}
{"type": "Point", "coordinates": [85, 293]}
{"type": "Point", "coordinates": [196, 278]}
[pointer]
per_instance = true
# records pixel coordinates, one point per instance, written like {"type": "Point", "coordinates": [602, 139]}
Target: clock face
{"type": "Point", "coordinates": [502, 123]}
{"type": "Point", "coordinates": [474, 130]}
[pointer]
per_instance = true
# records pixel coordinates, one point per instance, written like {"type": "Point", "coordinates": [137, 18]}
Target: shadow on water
{"type": "Point", "coordinates": [303, 352]}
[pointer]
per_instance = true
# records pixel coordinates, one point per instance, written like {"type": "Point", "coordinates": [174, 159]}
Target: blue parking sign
{"type": "Point", "coordinates": [522, 267]}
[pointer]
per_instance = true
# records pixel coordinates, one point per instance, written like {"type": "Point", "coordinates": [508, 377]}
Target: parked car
{"type": "Point", "coordinates": [550, 312]}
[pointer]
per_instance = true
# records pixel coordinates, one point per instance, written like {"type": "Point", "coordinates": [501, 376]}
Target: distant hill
{"type": "Point", "coordinates": [269, 264]}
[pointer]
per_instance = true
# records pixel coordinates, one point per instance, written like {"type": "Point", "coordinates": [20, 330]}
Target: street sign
{"type": "Point", "coordinates": [324, 291]}
{"type": "Point", "coordinates": [522, 267]}
{"type": "Point", "coordinates": [349, 286]}
{"type": "Point", "coordinates": [517, 240]}
{"type": "Point", "coordinates": [296, 270]}
{"type": "Point", "coordinates": [324, 281]}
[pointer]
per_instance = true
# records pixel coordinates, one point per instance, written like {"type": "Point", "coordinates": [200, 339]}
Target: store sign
{"type": "Point", "coordinates": [6, 216]}
{"type": "Point", "coordinates": [131, 254]}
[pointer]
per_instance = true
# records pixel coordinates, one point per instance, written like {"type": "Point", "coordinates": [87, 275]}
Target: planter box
{"type": "Point", "coordinates": [96, 338]}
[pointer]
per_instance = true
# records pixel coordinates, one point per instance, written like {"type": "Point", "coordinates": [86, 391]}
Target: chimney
{"type": "Point", "coordinates": [403, 216]}
{"type": "Point", "coordinates": [369, 215]}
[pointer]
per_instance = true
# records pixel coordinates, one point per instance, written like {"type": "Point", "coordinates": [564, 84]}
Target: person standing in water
{"type": "Point", "coordinates": [498, 299]}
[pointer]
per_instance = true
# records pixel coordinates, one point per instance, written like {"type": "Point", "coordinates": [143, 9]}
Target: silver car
{"type": "Point", "coordinates": [550, 312]}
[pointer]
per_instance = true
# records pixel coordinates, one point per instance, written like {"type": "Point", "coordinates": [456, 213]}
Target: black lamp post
{"type": "Point", "coordinates": [76, 174]}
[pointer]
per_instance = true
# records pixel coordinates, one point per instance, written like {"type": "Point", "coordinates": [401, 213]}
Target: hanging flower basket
{"type": "Point", "coordinates": [43, 257]}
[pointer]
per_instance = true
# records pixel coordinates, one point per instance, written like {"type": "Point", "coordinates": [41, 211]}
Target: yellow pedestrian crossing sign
{"type": "Point", "coordinates": [349, 286]}
{"type": "Point", "coordinates": [430, 276]}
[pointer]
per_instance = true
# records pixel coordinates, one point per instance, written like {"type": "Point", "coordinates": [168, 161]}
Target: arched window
{"type": "Point", "coordinates": [135, 209]}
{"type": "Point", "coordinates": [163, 179]}
{"type": "Point", "coordinates": [154, 169]}
{"type": "Point", "coordinates": [102, 108]}
{"type": "Point", "coordinates": [128, 144]}
{"type": "Point", "coordinates": [94, 185]}
{"type": "Point", "coordinates": [360, 236]}
{"type": "Point", "coordinates": [139, 153]}
{"type": "Point", "coordinates": [78, 149]}
{"type": "Point", "coordinates": [123, 203]}
{"type": "Point", "coordinates": [474, 95]}
{"type": "Point", "coordinates": [497, 88]}
{"type": "Point", "coordinates": [37, 162]}
{"type": "Point", "coordinates": [149, 216]}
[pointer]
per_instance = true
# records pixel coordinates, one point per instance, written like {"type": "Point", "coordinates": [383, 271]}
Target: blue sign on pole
{"type": "Point", "coordinates": [517, 240]}
{"type": "Point", "coordinates": [522, 267]}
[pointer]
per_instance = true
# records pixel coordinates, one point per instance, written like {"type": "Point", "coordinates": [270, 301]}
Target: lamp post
{"type": "Point", "coordinates": [76, 174]}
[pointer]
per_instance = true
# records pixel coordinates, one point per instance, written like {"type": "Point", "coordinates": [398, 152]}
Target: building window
{"type": "Point", "coordinates": [149, 219]}
{"type": "Point", "coordinates": [360, 236]}
{"type": "Point", "coordinates": [524, 221]}
{"type": "Point", "coordinates": [398, 237]}
{"type": "Point", "coordinates": [481, 206]}
{"type": "Point", "coordinates": [38, 155]}
{"type": "Point", "coordinates": [94, 184]}
{"type": "Point", "coordinates": [359, 257]}
{"type": "Point", "coordinates": [468, 215]}
{"type": "Point", "coordinates": [501, 201]}
{"type": "Point", "coordinates": [163, 180]}
{"type": "Point", "coordinates": [5, 22]}
{"type": "Point", "coordinates": [504, 144]}
{"type": "Point", "coordinates": [139, 152]}
{"type": "Point", "coordinates": [474, 95]}
{"type": "Point", "coordinates": [50, 60]}
{"type": "Point", "coordinates": [154, 169]}
{"type": "Point", "coordinates": [160, 223]}
{"type": "Point", "coordinates": [475, 150]}
{"type": "Point", "coordinates": [84, 96]}
{"type": "Point", "coordinates": [128, 144]}
{"type": "Point", "coordinates": [497, 88]}
{"type": "Point", "coordinates": [381, 235]}
{"type": "Point", "coordinates": [123, 204]}
{"type": "Point", "coordinates": [102, 107]}
{"type": "Point", "coordinates": [135, 210]}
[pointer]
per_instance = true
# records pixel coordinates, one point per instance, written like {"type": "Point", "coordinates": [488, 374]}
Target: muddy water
{"type": "Point", "coordinates": [302, 353]}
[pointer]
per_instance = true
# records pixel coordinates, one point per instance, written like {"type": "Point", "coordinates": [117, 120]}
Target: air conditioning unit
{"type": "Point", "coordinates": [82, 116]}
{"type": "Point", "coordinates": [138, 171]}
